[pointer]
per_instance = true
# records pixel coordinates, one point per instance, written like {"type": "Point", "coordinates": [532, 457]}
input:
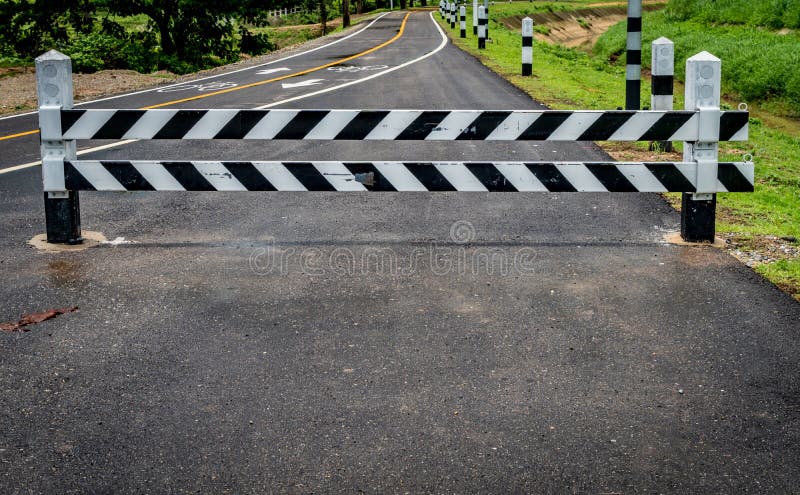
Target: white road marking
{"type": "Point", "coordinates": [294, 98]}
{"type": "Point", "coordinates": [270, 71]}
{"type": "Point", "coordinates": [301, 84]}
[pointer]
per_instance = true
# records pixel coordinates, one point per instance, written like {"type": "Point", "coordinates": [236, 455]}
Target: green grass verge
{"type": "Point", "coordinates": [572, 79]}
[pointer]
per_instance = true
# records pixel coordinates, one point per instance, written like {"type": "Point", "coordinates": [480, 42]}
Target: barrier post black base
{"type": "Point", "coordinates": [63, 219]}
{"type": "Point", "coordinates": [697, 218]}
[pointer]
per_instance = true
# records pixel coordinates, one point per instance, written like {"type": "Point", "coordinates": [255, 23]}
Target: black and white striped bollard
{"type": "Point", "coordinates": [698, 210]}
{"type": "Point", "coordinates": [475, 17]}
{"type": "Point", "coordinates": [441, 8]}
{"type": "Point", "coordinates": [633, 68]}
{"type": "Point", "coordinates": [481, 27]}
{"type": "Point", "coordinates": [463, 21]}
{"type": "Point", "coordinates": [527, 46]}
{"type": "Point", "coordinates": [486, 16]}
{"type": "Point", "coordinates": [453, 15]}
{"type": "Point", "coordinates": [662, 80]}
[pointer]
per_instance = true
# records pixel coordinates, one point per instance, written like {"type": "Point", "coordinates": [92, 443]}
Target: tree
{"type": "Point", "coordinates": [345, 13]}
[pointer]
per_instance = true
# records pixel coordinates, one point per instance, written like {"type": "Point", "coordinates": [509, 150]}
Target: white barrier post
{"type": "Point", "coordinates": [475, 17]}
{"type": "Point", "coordinates": [481, 27]}
{"type": "Point", "coordinates": [54, 89]}
{"type": "Point", "coordinates": [453, 15]}
{"type": "Point", "coordinates": [662, 80]}
{"type": "Point", "coordinates": [527, 46]}
{"type": "Point", "coordinates": [703, 82]}
{"type": "Point", "coordinates": [463, 21]}
{"type": "Point", "coordinates": [633, 68]}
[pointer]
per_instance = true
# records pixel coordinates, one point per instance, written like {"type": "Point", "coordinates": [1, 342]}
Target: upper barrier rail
{"type": "Point", "coordinates": [433, 125]}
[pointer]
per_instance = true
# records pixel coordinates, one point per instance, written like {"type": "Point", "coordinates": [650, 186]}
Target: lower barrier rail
{"type": "Point", "coordinates": [113, 175]}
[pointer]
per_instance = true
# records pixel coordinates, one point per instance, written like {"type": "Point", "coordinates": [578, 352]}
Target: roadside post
{"type": "Point", "coordinates": [463, 21]}
{"type": "Point", "coordinates": [527, 46]}
{"type": "Point", "coordinates": [703, 81]}
{"type": "Point", "coordinates": [54, 90]}
{"type": "Point", "coordinates": [662, 81]}
{"type": "Point", "coordinates": [475, 17]}
{"type": "Point", "coordinates": [481, 27]}
{"type": "Point", "coordinates": [486, 16]}
{"type": "Point", "coordinates": [633, 67]}
{"type": "Point", "coordinates": [452, 15]}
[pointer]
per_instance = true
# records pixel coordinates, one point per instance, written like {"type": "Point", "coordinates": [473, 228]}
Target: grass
{"type": "Point", "coordinates": [760, 65]}
{"type": "Point", "coordinates": [573, 79]}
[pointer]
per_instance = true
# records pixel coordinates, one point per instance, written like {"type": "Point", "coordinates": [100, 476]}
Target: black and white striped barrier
{"type": "Point", "coordinates": [92, 175]}
{"type": "Point", "coordinates": [633, 67]}
{"type": "Point", "coordinates": [662, 80]}
{"type": "Point", "coordinates": [481, 27]}
{"type": "Point", "coordinates": [527, 46]}
{"type": "Point", "coordinates": [475, 17]}
{"type": "Point", "coordinates": [441, 8]}
{"type": "Point", "coordinates": [463, 21]}
{"type": "Point", "coordinates": [431, 125]}
{"type": "Point", "coordinates": [453, 15]}
{"type": "Point", "coordinates": [702, 125]}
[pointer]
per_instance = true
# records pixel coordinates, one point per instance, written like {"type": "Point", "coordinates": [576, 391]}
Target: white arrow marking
{"type": "Point", "coordinates": [310, 82]}
{"type": "Point", "coordinates": [270, 71]}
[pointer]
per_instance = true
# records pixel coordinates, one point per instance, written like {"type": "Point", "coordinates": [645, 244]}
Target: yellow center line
{"type": "Point", "coordinates": [12, 136]}
{"type": "Point", "coordinates": [259, 83]}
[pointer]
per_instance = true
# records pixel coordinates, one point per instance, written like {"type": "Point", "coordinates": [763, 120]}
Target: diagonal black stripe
{"type": "Point", "coordinates": [611, 178]}
{"type": "Point", "coordinates": [730, 123]}
{"type": "Point", "coordinates": [732, 179]}
{"type": "Point", "coordinates": [669, 175]}
{"type": "Point", "coordinates": [490, 177]}
{"type": "Point", "coordinates": [378, 181]}
{"type": "Point", "coordinates": [544, 126]}
{"type": "Point", "coordinates": [483, 125]}
{"type": "Point", "coordinates": [301, 124]}
{"type": "Point", "coordinates": [74, 181]}
{"type": "Point", "coordinates": [666, 126]}
{"type": "Point", "coordinates": [249, 176]}
{"type": "Point", "coordinates": [605, 126]}
{"type": "Point", "coordinates": [362, 125]}
{"type": "Point", "coordinates": [309, 176]}
{"type": "Point", "coordinates": [127, 175]}
{"type": "Point", "coordinates": [550, 177]}
{"type": "Point", "coordinates": [188, 176]}
{"type": "Point", "coordinates": [118, 124]}
{"type": "Point", "coordinates": [241, 124]}
{"type": "Point", "coordinates": [422, 125]}
{"type": "Point", "coordinates": [68, 119]}
{"type": "Point", "coordinates": [179, 124]}
{"type": "Point", "coordinates": [431, 178]}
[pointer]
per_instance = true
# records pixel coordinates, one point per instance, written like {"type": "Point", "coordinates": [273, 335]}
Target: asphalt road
{"type": "Point", "coordinates": [328, 342]}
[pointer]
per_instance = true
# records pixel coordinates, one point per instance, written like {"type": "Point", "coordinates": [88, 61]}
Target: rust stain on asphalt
{"type": "Point", "coordinates": [33, 318]}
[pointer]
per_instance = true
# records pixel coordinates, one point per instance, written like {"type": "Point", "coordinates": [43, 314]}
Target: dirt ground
{"type": "Point", "coordinates": [579, 28]}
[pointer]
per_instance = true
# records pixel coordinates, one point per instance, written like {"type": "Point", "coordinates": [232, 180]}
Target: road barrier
{"type": "Point", "coordinates": [463, 21]}
{"type": "Point", "coordinates": [453, 15]}
{"type": "Point", "coordinates": [527, 46]}
{"type": "Point", "coordinates": [701, 126]}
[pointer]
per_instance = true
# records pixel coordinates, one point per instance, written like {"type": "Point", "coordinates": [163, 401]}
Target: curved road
{"type": "Point", "coordinates": [386, 343]}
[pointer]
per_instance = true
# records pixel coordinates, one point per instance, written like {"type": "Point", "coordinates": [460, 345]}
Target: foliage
{"type": "Point", "coordinates": [774, 14]}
